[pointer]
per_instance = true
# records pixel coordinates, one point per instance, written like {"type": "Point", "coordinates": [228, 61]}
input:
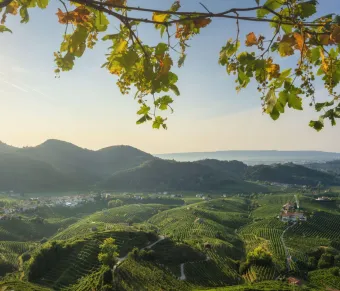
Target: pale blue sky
{"type": "Point", "coordinates": [85, 107]}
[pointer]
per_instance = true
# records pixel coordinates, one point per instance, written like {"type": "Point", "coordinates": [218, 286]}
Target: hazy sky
{"type": "Point", "coordinates": [85, 107]}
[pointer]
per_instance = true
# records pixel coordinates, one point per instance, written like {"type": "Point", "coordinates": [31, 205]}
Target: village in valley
{"type": "Point", "coordinates": [21, 204]}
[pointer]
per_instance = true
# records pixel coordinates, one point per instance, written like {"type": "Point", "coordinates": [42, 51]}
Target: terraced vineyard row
{"type": "Point", "coordinates": [225, 263]}
{"type": "Point", "coordinates": [325, 278]}
{"type": "Point", "coordinates": [25, 230]}
{"type": "Point", "coordinates": [10, 251]}
{"type": "Point", "coordinates": [206, 273]}
{"type": "Point", "coordinates": [259, 273]}
{"type": "Point", "coordinates": [266, 233]}
{"type": "Point", "coordinates": [321, 225]}
{"type": "Point", "coordinates": [132, 275]}
{"type": "Point", "coordinates": [72, 267]}
{"type": "Point", "coordinates": [111, 219]}
{"type": "Point", "coordinates": [133, 213]}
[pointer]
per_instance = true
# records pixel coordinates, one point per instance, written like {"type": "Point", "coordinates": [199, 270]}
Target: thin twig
{"type": "Point", "coordinates": [205, 8]}
{"type": "Point", "coordinates": [169, 40]}
{"type": "Point", "coordinates": [62, 2]}
{"type": "Point", "coordinates": [271, 41]}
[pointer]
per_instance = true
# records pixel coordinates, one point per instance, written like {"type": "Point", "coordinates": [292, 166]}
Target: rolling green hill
{"type": "Point", "coordinates": [114, 218]}
{"type": "Point", "coordinates": [290, 174]}
{"type": "Point", "coordinates": [331, 166]}
{"type": "Point", "coordinates": [22, 174]}
{"type": "Point", "coordinates": [86, 166]}
{"type": "Point", "coordinates": [161, 175]}
{"type": "Point", "coordinates": [234, 169]}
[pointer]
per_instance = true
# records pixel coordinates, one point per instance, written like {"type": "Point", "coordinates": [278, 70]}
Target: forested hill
{"type": "Point", "coordinates": [158, 175]}
{"type": "Point", "coordinates": [331, 166]}
{"type": "Point", "coordinates": [58, 165]}
{"type": "Point", "coordinates": [290, 174]}
{"type": "Point", "coordinates": [82, 167]}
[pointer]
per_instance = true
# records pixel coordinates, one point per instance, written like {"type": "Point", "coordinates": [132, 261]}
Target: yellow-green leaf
{"type": "Point", "coordinates": [3, 28]}
{"type": "Point", "coordinates": [158, 17]}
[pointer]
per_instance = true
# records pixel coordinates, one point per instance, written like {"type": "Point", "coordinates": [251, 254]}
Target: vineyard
{"type": "Point", "coordinates": [201, 245]}
{"type": "Point", "coordinates": [10, 251]}
{"type": "Point", "coordinates": [144, 276]}
{"type": "Point", "coordinates": [133, 213]}
{"type": "Point", "coordinates": [270, 205]}
{"type": "Point", "coordinates": [21, 285]}
{"type": "Point", "coordinates": [325, 278]}
{"type": "Point", "coordinates": [262, 286]}
{"type": "Point", "coordinates": [30, 230]}
{"type": "Point", "coordinates": [82, 260]}
{"type": "Point", "coordinates": [111, 219]}
{"type": "Point", "coordinates": [320, 230]}
{"type": "Point", "coordinates": [259, 273]}
{"type": "Point", "coordinates": [210, 223]}
{"type": "Point", "coordinates": [266, 233]}
{"type": "Point", "coordinates": [172, 254]}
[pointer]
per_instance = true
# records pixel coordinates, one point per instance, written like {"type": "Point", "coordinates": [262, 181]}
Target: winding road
{"type": "Point", "coordinates": [120, 260]}
{"type": "Point", "coordinates": [183, 277]}
{"type": "Point", "coordinates": [285, 247]}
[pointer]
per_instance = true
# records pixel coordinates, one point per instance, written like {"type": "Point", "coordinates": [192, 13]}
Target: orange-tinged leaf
{"type": "Point", "coordinates": [325, 39]}
{"type": "Point", "coordinates": [200, 23]}
{"type": "Point", "coordinates": [273, 71]}
{"type": "Point", "coordinates": [79, 15]}
{"type": "Point", "coordinates": [251, 39]}
{"type": "Point", "coordinates": [166, 64]}
{"type": "Point", "coordinates": [324, 65]}
{"type": "Point", "coordinates": [299, 41]}
{"type": "Point", "coordinates": [335, 36]}
{"type": "Point", "coordinates": [286, 45]}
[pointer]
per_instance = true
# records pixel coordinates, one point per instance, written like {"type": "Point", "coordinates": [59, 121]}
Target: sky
{"type": "Point", "coordinates": [85, 107]}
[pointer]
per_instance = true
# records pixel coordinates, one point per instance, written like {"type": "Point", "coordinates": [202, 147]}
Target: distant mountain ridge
{"type": "Point", "coordinates": [58, 165]}
{"type": "Point", "coordinates": [81, 167]}
{"type": "Point", "coordinates": [253, 157]}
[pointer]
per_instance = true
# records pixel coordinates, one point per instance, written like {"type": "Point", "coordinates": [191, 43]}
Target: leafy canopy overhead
{"type": "Point", "coordinates": [312, 42]}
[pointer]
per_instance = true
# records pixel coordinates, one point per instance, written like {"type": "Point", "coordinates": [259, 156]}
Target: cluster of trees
{"type": "Point", "coordinates": [108, 252]}
{"type": "Point", "coordinates": [145, 255]}
{"type": "Point", "coordinates": [259, 256]}
{"type": "Point", "coordinates": [322, 258]}
{"type": "Point", "coordinates": [115, 203]}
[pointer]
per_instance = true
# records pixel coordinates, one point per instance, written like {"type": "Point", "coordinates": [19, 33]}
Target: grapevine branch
{"type": "Point", "coordinates": [191, 15]}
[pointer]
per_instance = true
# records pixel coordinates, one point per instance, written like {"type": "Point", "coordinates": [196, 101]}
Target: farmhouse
{"type": "Point", "coordinates": [292, 216]}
